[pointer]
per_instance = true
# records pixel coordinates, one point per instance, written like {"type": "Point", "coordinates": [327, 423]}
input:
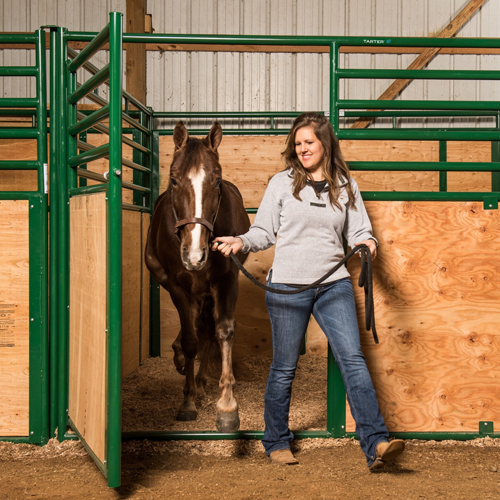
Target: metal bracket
{"type": "Point", "coordinates": [490, 202]}
{"type": "Point", "coordinates": [485, 428]}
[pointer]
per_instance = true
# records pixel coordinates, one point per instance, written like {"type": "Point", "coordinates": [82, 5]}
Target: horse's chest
{"type": "Point", "coordinates": [196, 284]}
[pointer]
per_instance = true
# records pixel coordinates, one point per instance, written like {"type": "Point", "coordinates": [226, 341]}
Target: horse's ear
{"type": "Point", "coordinates": [181, 135]}
{"type": "Point", "coordinates": [215, 136]}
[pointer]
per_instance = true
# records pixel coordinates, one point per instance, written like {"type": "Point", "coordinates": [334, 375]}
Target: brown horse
{"type": "Point", "coordinates": [198, 205]}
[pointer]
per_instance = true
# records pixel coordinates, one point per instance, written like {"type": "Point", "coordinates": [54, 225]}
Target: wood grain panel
{"type": "Point", "coordinates": [469, 151]}
{"type": "Point", "coordinates": [18, 150]}
{"type": "Point", "coordinates": [131, 291]}
{"type": "Point", "coordinates": [14, 318]}
{"type": "Point", "coordinates": [88, 319]}
{"type": "Point", "coordinates": [437, 290]}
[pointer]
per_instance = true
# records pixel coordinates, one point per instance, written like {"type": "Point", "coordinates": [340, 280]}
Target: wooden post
{"type": "Point", "coordinates": [398, 85]}
{"type": "Point", "coordinates": [136, 52]}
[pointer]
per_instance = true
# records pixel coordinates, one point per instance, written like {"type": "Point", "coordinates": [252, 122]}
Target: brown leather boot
{"type": "Point", "coordinates": [283, 457]}
{"type": "Point", "coordinates": [387, 452]}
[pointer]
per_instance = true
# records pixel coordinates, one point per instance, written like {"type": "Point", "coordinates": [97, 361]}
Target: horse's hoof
{"type": "Point", "coordinates": [227, 422]}
{"type": "Point", "coordinates": [187, 415]}
{"type": "Point", "coordinates": [182, 371]}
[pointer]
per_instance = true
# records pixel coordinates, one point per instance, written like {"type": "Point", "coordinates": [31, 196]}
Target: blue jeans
{"type": "Point", "coordinates": [334, 309]}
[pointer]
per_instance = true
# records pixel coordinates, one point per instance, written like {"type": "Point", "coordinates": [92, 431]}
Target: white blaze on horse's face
{"type": "Point", "coordinates": [197, 254]}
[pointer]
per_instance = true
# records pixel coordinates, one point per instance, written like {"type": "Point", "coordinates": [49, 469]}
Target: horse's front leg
{"type": "Point", "coordinates": [227, 407]}
{"type": "Point", "coordinates": [188, 312]}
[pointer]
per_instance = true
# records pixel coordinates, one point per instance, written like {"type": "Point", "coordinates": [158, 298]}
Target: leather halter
{"type": "Point", "coordinates": [195, 220]}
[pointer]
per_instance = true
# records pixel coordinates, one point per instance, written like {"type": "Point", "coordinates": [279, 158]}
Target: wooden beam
{"type": "Point", "coordinates": [426, 56]}
{"type": "Point", "coordinates": [136, 52]}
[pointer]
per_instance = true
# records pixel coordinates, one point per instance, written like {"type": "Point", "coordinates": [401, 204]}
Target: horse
{"type": "Point", "coordinates": [197, 206]}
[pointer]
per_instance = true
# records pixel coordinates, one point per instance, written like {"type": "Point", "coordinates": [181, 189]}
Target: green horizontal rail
{"type": "Point", "coordinates": [18, 195]}
{"type": "Point", "coordinates": [227, 114]}
{"type": "Point", "coordinates": [18, 102]}
{"type": "Point", "coordinates": [240, 131]}
{"type": "Point", "coordinates": [91, 84]}
{"type": "Point", "coordinates": [213, 435]}
{"type": "Point", "coordinates": [297, 40]}
{"type": "Point", "coordinates": [95, 44]}
{"type": "Point", "coordinates": [97, 188]}
{"type": "Point", "coordinates": [135, 187]}
{"type": "Point", "coordinates": [89, 121]}
{"type": "Point", "coordinates": [420, 114]}
{"type": "Point", "coordinates": [135, 208]}
{"type": "Point", "coordinates": [19, 165]}
{"type": "Point", "coordinates": [426, 196]}
{"type": "Point", "coordinates": [18, 133]}
{"type": "Point", "coordinates": [18, 112]}
{"type": "Point", "coordinates": [18, 38]}
{"type": "Point", "coordinates": [136, 125]}
{"type": "Point", "coordinates": [445, 105]}
{"type": "Point", "coordinates": [415, 134]}
{"type": "Point", "coordinates": [424, 166]}
{"type": "Point", "coordinates": [18, 71]}
{"type": "Point", "coordinates": [414, 74]}
{"type": "Point", "coordinates": [135, 166]}
{"type": "Point", "coordinates": [90, 155]}
{"type": "Point", "coordinates": [436, 436]}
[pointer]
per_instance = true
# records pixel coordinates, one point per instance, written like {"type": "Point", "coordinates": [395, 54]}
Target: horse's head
{"type": "Point", "coordinates": [195, 186]}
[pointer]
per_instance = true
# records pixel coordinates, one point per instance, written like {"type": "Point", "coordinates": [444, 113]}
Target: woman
{"type": "Point", "coordinates": [310, 206]}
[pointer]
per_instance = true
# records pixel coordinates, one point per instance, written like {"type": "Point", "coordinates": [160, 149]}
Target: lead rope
{"type": "Point", "coordinates": [365, 280]}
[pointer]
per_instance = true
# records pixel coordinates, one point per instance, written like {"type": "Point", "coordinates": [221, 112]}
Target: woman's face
{"type": "Point", "coordinates": [310, 151]}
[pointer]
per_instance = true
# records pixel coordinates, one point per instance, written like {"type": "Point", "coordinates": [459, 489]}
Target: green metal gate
{"type": "Point", "coordinates": [24, 361]}
{"type": "Point", "coordinates": [87, 257]}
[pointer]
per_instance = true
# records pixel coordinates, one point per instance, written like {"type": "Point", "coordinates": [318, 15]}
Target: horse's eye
{"type": "Point", "coordinates": [173, 181]}
{"type": "Point", "coordinates": [218, 182]}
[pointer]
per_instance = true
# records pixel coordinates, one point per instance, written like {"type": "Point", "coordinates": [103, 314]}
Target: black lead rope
{"type": "Point", "coordinates": [365, 280]}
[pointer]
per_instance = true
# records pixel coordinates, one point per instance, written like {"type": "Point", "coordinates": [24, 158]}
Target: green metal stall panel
{"type": "Point", "coordinates": [24, 363]}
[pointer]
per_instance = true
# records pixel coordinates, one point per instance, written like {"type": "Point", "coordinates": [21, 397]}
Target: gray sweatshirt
{"type": "Point", "coordinates": [307, 233]}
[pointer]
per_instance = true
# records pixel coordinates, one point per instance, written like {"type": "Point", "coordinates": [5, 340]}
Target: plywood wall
{"type": "Point", "coordinates": [135, 292]}
{"type": "Point", "coordinates": [14, 318]}
{"type": "Point", "coordinates": [436, 292]}
{"type": "Point", "coordinates": [88, 319]}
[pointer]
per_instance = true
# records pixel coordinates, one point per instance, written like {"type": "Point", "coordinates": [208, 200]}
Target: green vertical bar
{"type": "Point", "coordinates": [154, 298]}
{"type": "Point", "coordinates": [495, 156]}
{"type": "Point", "coordinates": [335, 405]}
{"type": "Point", "coordinates": [63, 236]}
{"type": "Point", "coordinates": [55, 131]}
{"type": "Point", "coordinates": [39, 356]}
{"type": "Point", "coordinates": [443, 176]}
{"type": "Point", "coordinates": [334, 86]}
{"type": "Point", "coordinates": [113, 451]}
{"type": "Point", "coordinates": [336, 399]}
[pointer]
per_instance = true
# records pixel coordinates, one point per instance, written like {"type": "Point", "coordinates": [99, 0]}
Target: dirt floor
{"type": "Point", "coordinates": [328, 469]}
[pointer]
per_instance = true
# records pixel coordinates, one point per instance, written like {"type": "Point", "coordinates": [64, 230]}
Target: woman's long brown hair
{"type": "Point", "coordinates": [334, 165]}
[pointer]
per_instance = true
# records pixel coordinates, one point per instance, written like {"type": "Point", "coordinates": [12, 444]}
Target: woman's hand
{"type": "Point", "coordinates": [227, 244]}
{"type": "Point", "coordinates": [371, 245]}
